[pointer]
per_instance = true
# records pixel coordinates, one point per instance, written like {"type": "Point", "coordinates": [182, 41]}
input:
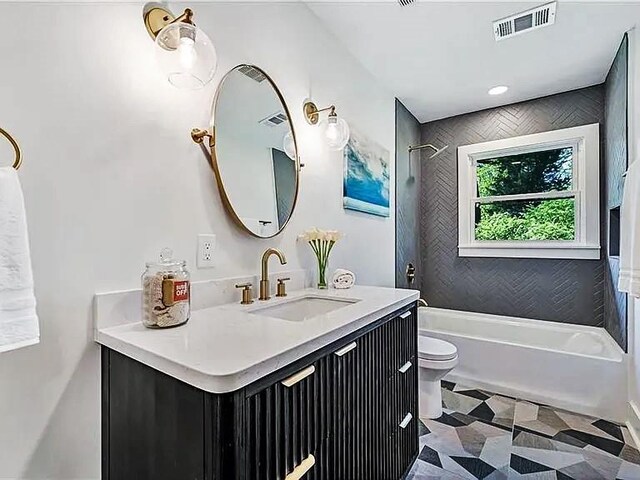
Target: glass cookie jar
{"type": "Point", "coordinates": [166, 292]}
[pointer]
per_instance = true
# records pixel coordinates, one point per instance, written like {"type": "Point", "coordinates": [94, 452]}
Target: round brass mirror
{"type": "Point", "coordinates": [254, 155]}
{"type": "Point", "coordinates": [13, 153]}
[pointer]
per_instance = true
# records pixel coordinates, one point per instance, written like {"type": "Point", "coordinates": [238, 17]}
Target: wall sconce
{"type": "Point", "coordinates": [336, 130]}
{"type": "Point", "coordinates": [184, 52]}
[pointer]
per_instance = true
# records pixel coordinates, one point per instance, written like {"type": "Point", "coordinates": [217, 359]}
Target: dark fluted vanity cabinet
{"type": "Point", "coordinates": [348, 411]}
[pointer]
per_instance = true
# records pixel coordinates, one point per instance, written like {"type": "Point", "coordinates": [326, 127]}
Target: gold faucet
{"type": "Point", "coordinates": [264, 281]}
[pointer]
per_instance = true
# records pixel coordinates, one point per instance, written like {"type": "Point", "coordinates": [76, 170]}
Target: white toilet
{"type": "Point", "coordinates": [436, 358]}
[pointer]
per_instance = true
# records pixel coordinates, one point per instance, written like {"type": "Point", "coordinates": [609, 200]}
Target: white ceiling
{"type": "Point", "coordinates": [440, 59]}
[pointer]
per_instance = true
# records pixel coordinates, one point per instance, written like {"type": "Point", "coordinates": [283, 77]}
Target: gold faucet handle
{"type": "Point", "coordinates": [247, 293]}
{"type": "Point", "coordinates": [281, 288]}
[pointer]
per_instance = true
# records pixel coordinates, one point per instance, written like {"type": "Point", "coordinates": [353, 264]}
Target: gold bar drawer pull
{"type": "Point", "coordinates": [346, 349]}
{"type": "Point", "coordinates": [405, 367]}
{"type": "Point", "coordinates": [301, 375]}
{"type": "Point", "coordinates": [405, 315]}
{"type": "Point", "coordinates": [405, 421]}
{"type": "Point", "coordinates": [301, 469]}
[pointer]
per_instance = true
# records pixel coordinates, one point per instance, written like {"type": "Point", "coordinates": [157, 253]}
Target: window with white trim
{"type": "Point", "coordinates": [534, 196]}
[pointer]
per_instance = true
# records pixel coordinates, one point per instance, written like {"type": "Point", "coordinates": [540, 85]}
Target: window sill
{"type": "Point", "coordinates": [501, 250]}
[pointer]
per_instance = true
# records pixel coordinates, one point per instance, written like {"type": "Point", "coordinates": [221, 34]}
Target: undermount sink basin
{"type": "Point", "coordinates": [303, 308]}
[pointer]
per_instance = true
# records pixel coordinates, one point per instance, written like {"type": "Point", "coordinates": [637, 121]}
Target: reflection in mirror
{"type": "Point", "coordinates": [7, 155]}
{"type": "Point", "coordinates": [258, 179]}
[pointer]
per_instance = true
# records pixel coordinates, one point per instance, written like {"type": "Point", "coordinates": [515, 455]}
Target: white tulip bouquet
{"type": "Point", "coordinates": [321, 242]}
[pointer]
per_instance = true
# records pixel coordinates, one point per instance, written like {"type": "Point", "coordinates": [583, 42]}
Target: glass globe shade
{"type": "Point", "coordinates": [186, 55]}
{"type": "Point", "coordinates": [289, 146]}
{"type": "Point", "coordinates": [336, 132]}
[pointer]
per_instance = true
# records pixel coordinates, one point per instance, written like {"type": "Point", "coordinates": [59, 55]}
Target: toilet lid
{"type": "Point", "coordinates": [435, 349]}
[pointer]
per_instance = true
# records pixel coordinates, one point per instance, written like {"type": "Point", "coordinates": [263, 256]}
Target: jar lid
{"type": "Point", "coordinates": [167, 260]}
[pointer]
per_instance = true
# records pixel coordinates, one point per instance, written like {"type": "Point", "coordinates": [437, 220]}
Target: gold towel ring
{"type": "Point", "coordinates": [16, 147]}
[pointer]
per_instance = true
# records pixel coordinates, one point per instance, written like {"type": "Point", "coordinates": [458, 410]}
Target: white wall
{"type": "Point", "coordinates": [634, 151]}
{"type": "Point", "coordinates": [110, 176]}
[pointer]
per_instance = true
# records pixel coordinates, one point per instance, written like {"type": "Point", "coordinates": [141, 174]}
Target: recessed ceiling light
{"type": "Point", "coordinates": [499, 90]}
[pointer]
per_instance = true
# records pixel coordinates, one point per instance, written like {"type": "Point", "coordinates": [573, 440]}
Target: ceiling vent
{"type": "Point", "coordinates": [252, 73]}
{"type": "Point", "coordinates": [528, 21]}
{"type": "Point", "coordinates": [404, 3]}
{"type": "Point", "coordinates": [274, 120]}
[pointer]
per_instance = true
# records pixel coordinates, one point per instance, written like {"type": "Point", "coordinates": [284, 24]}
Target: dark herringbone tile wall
{"type": "Point", "coordinates": [569, 291]}
{"type": "Point", "coordinates": [615, 147]}
{"type": "Point", "coordinates": [407, 196]}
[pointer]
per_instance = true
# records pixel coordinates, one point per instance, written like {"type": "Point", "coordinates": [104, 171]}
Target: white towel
{"type": "Point", "coordinates": [343, 279]}
{"type": "Point", "coordinates": [18, 319]}
{"type": "Point", "coordinates": [629, 280]}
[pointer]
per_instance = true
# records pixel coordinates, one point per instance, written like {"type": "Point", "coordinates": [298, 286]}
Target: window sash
{"type": "Point", "coordinates": [533, 243]}
{"type": "Point", "coordinates": [526, 196]}
{"type": "Point", "coordinates": [541, 147]}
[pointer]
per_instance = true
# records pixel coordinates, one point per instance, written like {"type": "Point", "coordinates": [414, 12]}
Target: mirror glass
{"type": "Point", "coordinates": [255, 156]}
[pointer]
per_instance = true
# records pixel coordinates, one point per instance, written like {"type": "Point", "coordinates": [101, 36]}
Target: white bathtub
{"type": "Point", "coordinates": [566, 366]}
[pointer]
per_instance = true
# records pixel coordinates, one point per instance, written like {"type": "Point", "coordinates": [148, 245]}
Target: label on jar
{"type": "Point", "coordinates": [174, 291]}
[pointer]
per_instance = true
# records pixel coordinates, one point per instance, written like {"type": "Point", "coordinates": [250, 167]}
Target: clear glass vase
{"type": "Point", "coordinates": [322, 275]}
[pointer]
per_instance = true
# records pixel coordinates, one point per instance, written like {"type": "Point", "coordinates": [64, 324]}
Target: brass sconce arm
{"type": "Point", "coordinates": [312, 112]}
{"type": "Point", "coordinates": [186, 17]}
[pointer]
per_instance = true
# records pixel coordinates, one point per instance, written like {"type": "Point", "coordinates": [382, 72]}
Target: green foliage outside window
{"type": "Point", "coordinates": [535, 172]}
{"type": "Point", "coordinates": [540, 220]}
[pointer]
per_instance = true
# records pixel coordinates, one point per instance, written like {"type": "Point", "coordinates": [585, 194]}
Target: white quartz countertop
{"type": "Point", "coordinates": [224, 348]}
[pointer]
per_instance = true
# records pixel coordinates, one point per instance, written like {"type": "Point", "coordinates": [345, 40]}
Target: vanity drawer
{"type": "Point", "coordinates": [286, 423]}
{"type": "Point", "coordinates": [403, 421]}
{"type": "Point", "coordinates": [400, 335]}
{"type": "Point", "coordinates": [316, 466]}
{"type": "Point", "coordinates": [356, 406]}
{"type": "Point", "coordinates": [404, 445]}
{"type": "Point", "coordinates": [401, 390]}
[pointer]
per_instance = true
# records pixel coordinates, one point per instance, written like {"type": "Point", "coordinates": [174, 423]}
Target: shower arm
{"type": "Point", "coordinates": [436, 152]}
{"type": "Point", "coordinates": [420, 147]}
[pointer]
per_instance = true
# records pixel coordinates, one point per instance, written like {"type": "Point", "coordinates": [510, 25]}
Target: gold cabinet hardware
{"type": "Point", "coordinates": [405, 421]}
{"type": "Point", "coordinates": [405, 315]}
{"type": "Point", "coordinates": [302, 468]}
{"type": "Point", "coordinates": [345, 350]}
{"type": "Point", "coordinates": [301, 375]}
{"type": "Point", "coordinates": [247, 293]}
{"type": "Point", "coordinates": [18, 160]}
{"type": "Point", "coordinates": [404, 368]}
{"type": "Point", "coordinates": [281, 288]}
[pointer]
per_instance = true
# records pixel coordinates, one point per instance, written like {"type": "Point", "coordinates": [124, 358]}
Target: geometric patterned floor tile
{"type": "Point", "coordinates": [487, 406]}
{"type": "Point", "coordinates": [466, 446]}
{"type": "Point", "coordinates": [578, 446]}
{"type": "Point", "coordinates": [482, 435]}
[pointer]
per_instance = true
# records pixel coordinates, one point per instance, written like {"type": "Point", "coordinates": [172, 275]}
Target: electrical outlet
{"type": "Point", "coordinates": [206, 248]}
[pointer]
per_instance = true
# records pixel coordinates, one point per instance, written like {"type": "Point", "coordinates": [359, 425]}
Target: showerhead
{"type": "Point", "coordinates": [439, 151]}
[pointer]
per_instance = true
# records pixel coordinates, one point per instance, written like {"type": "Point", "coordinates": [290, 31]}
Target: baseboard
{"type": "Point", "coordinates": [633, 422]}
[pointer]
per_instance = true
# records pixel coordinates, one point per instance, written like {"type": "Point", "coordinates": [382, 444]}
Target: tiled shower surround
{"type": "Point", "coordinates": [482, 435]}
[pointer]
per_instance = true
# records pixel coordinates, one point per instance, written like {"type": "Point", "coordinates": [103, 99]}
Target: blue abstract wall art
{"type": "Point", "coordinates": [366, 176]}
